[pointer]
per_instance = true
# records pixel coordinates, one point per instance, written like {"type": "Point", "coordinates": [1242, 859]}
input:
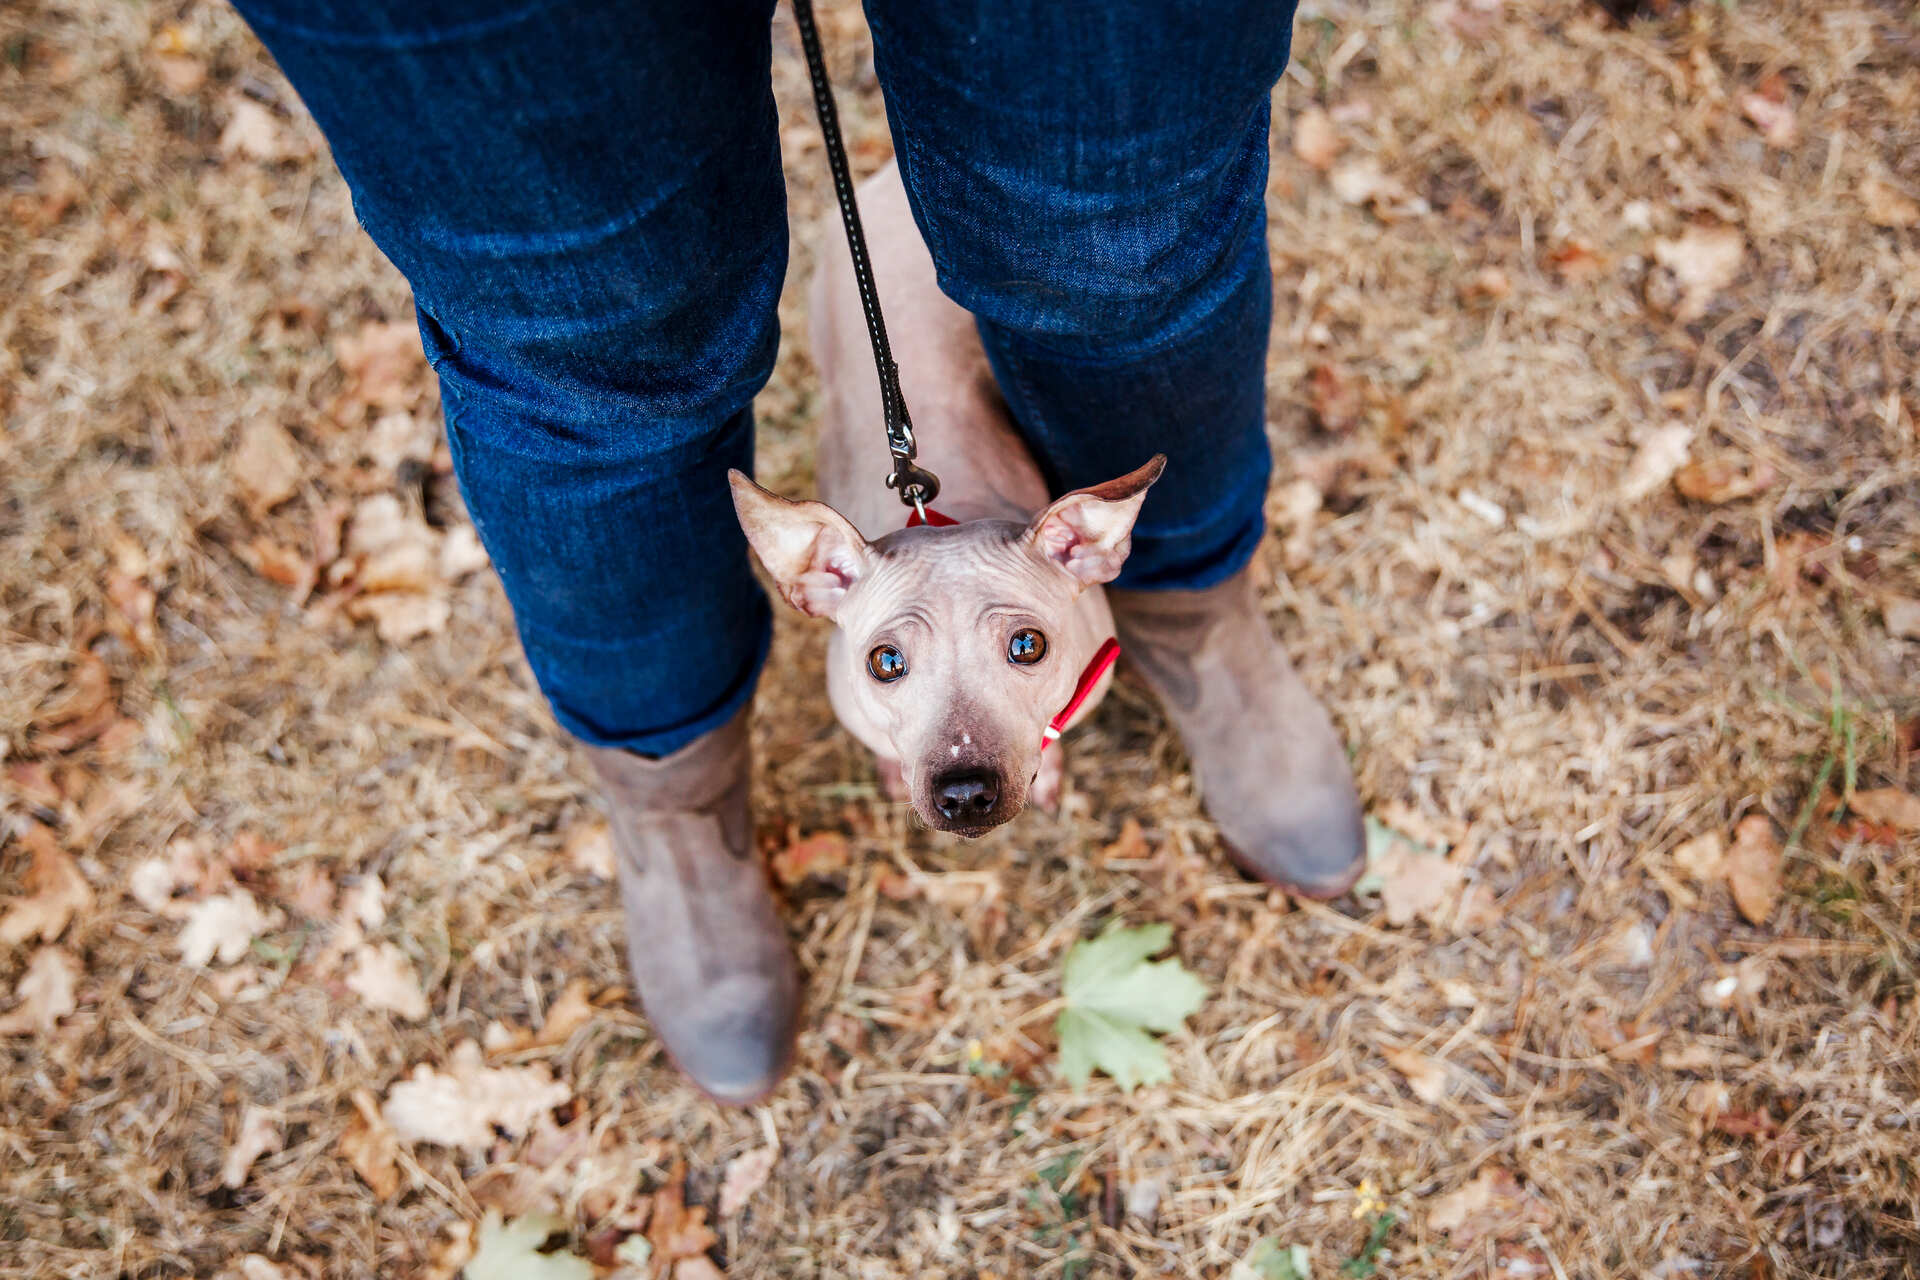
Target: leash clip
{"type": "Point", "coordinates": [917, 485]}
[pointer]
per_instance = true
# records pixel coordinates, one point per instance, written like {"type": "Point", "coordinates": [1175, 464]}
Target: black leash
{"type": "Point", "coordinates": [916, 484]}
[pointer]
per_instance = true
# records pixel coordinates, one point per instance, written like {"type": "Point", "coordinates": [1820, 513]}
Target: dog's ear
{"type": "Point", "coordinates": [1089, 531]}
{"type": "Point", "coordinates": [813, 552]}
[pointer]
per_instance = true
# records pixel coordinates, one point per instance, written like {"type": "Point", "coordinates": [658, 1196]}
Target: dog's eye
{"type": "Point", "coordinates": [886, 663]}
{"type": "Point", "coordinates": [1026, 647]}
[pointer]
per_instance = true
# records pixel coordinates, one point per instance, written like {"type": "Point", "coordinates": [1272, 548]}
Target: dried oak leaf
{"type": "Point", "coordinates": [370, 1147]}
{"type": "Point", "coordinates": [1426, 1076]}
{"type": "Point", "coordinates": [46, 992]}
{"type": "Point", "coordinates": [55, 891]}
{"type": "Point", "coordinates": [385, 979]}
{"type": "Point", "coordinates": [1722, 480]}
{"type": "Point", "coordinates": [462, 1106]}
{"type": "Point", "coordinates": [265, 467]}
{"type": "Point", "coordinates": [572, 1011]}
{"type": "Point", "coordinates": [1888, 806]}
{"type": "Point", "coordinates": [1315, 140]}
{"type": "Point", "coordinates": [821, 854]}
{"type": "Point", "coordinates": [588, 848]}
{"type": "Point", "coordinates": [222, 928]}
{"type": "Point", "coordinates": [674, 1230]}
{"type": "Point", "coordinates": [384, 367]}
{"type": "Point", "coordinates": [746, 1174]}
{"type": "Point", "coordinates": [1492, 1206]}
{"type": "Point", "coordinates": [1704, 260]}
{"type": "Point", "coordinates": [1414, 880]}
{"type": "Point", "coordinates": [1753, 867]}
{"type": "Point", "coordinates": [259, 1135]}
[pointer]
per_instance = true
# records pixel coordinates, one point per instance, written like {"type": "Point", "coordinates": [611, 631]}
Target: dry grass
{"type": "Point", "coordinates": [1566, 688]}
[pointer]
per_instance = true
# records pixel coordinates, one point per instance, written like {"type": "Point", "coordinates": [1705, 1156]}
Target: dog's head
{"type": "Point", "coordinates": [962, 642]}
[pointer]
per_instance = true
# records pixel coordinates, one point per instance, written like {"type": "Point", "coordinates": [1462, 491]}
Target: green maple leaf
{"type": "Point", "coordinates": [1114, 997]}
{"type": "Point", "coordinates": [510, 1250]}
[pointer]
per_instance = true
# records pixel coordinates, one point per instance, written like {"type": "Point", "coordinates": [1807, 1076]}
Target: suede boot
{"type": "Point", "coordinates": [705, 942]}
{"type": "Point", "coordinates": [1271, 769]}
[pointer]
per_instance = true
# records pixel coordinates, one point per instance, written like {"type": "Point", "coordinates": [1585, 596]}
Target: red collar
{"type": "Point", "coordinates": [1102, 661]}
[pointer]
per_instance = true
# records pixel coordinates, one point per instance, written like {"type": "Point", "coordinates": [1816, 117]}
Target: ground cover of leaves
{"type": "Point", "coordinates": [1598, 525]}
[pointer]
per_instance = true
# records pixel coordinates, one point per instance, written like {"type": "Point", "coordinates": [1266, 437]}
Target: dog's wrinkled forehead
{"type": "Point", "coordinates": [949, 574]}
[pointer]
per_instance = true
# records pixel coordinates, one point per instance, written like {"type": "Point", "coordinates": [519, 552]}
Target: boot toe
{"type": "Point", "coordinates": [1314, 846]}
{"type": "Point", "coordinates": [738, 1046]}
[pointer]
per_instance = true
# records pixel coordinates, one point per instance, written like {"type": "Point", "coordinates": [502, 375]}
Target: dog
{"type": "Point", "coordinates": [965, 646]}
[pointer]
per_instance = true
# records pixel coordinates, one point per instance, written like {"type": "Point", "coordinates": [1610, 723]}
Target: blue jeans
{"type": "Point", "coordinates": [586, 196]}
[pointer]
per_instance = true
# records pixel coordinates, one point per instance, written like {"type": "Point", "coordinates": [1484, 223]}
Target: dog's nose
{"type": "Point", "coordinates": [970, 793]}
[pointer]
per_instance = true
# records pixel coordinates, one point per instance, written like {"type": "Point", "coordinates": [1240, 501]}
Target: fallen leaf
{"type": "Point", "coordinates": [251, 132]}
{"type": "Point", "coordinates": [1660, 454]}
{"type": "Point", "coordinates": [1887, 205]}
{"type": "Point", "coordinates": [1315, 140]}
{"type": "Point", "coordinates": [1492, 1206]}
{"type": "Point", "coordinates": [1414, 880]}
{"type": "Point", "coordinates": [510, 1250]}
{"type": "Point", "coordinates": [1129, 846]}
{"type": "Point", "coordinates": [1577, 262]}
{"type": "Point", "coordinates": [385, 979]}
{"type": "Point", "coordinates": [1703, 260]}
{"type": "Point", "coordinates": [1360, 180]}
{"type": "Point", "coordinates": [1426, 1076]}
{"type": "Point", "coordinates": [572, 1011]}
{"type": "Point", "coordinates": [675, 1231]}
{"type": "Point", "coordinates": [222, 928]}
{"type": "Point", "coordinates": [1702, 857]}
{"type": "Point", "coordinates": [1753, 868]}
{"type": "Point", "coordinates": [1722, 480]}
{"type": "Point", "coordinates": [461, 553]}
{"type": "Point", "coordinates": [746, 1174]}
{"type": "Point", "coordinates": [1271, 1260]}
{"type": "Point", "coordinates": [589, 849]}
{"type": "Point", "coordinates": [86, 693]}
{"type": "Point", "coordinates": [402, 617]}
{"type": "Point", "coordinates": [1335, 398]}
{"type": "Point", "coordinates": [259, 1135]}
{"type": "Point", "coordinates": [55, 891]}
{"type": "Point", "coordinates": [1902, 616]}
{"type": "Point", "coordinates": [1889, 806]}
{"type": "Point", "coordinates": [265, 467]}
{"type": "Point", "coordinates": [816, 855]}
{"type": "Point", "coordinates": [370, 1146]}
{"type": "Point", "coordinates": [384, 367]}
{"type": "Point", "coordinates": [1114, 997]}
{"type": "Point", "coordinates": [1740, 986]}
{"type": "Point", "coordinates": [46, 991]}
{"type": "Point", "coordinates": [1775, 120]}
{"type": "Point", "coordinates": [462, 1106]}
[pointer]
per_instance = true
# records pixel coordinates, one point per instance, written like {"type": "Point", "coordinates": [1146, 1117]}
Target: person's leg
{"type": "Point", "coordinates": [587, 200]}
{"type": "Point", "coordinates": [586, 197]}
{"type": "Point", "coordinates": [1091, 180]}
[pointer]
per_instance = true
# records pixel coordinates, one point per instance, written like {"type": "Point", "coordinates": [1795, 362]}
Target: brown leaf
{"type": "Point", "coordinates": [369, 1146]}
{"type": "Point", "coordinates": [265, 467]}
{"type": "Point", "coordinates": [1129, 846]}
{"type": "Point", "coordinates": [1704, 260]}
{"type": "Point", "coordinates": [674, 1230]}
{"type": "Point", "coordinates": [1702, 857]}
{"type": "Point", "coordinates": [259, 1135]}
{"type": "Point", "coordinates": [1660, 454]}
{"type": "Point", "coordinates": [588, 849]}
{"type": "Point", "coordinates": [223, 928]}
{"type": "Point", "coordinates": [401, 617]}
{"type": "Point", "coordinates": [821, 854]}
{"type": "Point", "coordinates": [1774, 119]}
{"type": "Point", "coordinates": [1753, 868]}
{"type": "Point", "coordinates": [1427, 1077]}
{"type": "Point", "coordinates": [572, 1011]}
{"type": "Point", "coordinates": [1315, 140]}
{"type": "Point", "coordinates": [746, 1174]}
{"type": "Point", "coordinates": [384, 366]}
{"type": "Point", "coordinates": [385, 979]}
{"type": "Point", "coordinates": [55, 891]}
{"type": "Point", "coordinates": [1887, 205]}
{"type": "Point", "coordinates": [1577, 262]}
{"type": "Point", "coordinates": [1722, 480]}
{"type": "Point", "coordinates": [462, 1106]}
{"type": "Point", "coordinates": [1335, 398]}
{"type": "Point", "coordinates": [46, 992]}
{"type": "Point", "coordinates": [1902, 617]}
{"type": "Point", "coordinates": [1888, 806]}
{"type": "Point", "coordinates": [1492, 1206]}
